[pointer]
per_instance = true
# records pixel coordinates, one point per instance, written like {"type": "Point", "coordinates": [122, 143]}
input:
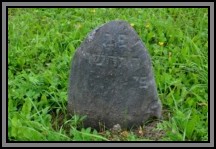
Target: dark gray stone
{"type": "Point", "coordinates": [111, 80]}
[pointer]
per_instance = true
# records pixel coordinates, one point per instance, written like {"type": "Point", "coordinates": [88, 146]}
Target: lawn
{"type": "Point", "coordinates": [42, 42]}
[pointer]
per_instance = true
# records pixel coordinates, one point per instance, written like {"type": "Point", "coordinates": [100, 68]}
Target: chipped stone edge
{"type": "Point", "coordinates": [91, 35]}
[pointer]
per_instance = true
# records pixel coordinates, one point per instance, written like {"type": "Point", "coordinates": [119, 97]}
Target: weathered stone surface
{"type": "Point", "coordinates": [111, 80]}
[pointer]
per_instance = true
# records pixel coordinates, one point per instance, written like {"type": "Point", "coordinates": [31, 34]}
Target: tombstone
{"type": "Point", "coordinates": [111, 80]}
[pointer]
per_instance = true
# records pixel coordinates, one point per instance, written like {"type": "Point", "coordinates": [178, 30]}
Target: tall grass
{"type": "Point", "coordinates": [42, 41]}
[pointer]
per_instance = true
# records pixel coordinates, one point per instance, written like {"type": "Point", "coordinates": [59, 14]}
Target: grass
{"type": "Point", "coordinates": [42, 41]}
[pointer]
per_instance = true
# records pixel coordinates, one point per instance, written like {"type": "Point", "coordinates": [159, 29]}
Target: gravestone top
{"type": "Point", "coordinates": [111, 80]}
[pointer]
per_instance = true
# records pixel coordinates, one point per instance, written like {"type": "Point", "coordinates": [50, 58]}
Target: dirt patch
{"type": "Point", "coordinates": [145, 132]}
{"type": "Point", "coordinates": [149, 131]}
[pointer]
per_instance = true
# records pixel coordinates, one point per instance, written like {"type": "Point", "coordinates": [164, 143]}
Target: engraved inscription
{"type": "Point", "coordinates": [110, 42]}
{"type": "Point", "coordinates": [121, 41]}
{"type": "Point", "coordinates": [100, 60]}
{"type": "Point", "coordinates": [111, 59]}
{"type": "Point", "coordinates": [96, 59]}
{"type": "Point", "coordinates": [114, 61]}
{"type": "Point", "coordinates": [142, 82]}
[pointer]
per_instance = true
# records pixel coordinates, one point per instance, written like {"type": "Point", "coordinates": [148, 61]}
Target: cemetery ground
{"type": "Point", "coordinates": [41, 43]}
